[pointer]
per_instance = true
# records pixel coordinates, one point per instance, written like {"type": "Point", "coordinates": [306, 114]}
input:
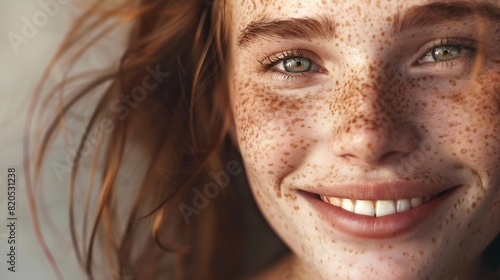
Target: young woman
{"type": "Point", "coordinates": [368, 132]}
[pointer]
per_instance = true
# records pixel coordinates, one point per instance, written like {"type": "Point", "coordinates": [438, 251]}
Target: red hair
{"type": "Point", "coordinates": [182, 126]}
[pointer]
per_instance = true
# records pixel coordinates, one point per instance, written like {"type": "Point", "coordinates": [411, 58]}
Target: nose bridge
{"type": "Point", "coordinates": [368, 116]}
{"type": "Point", "coordinates": [372, 128]}
{"type": "Point", "coordinates": [364, 92]}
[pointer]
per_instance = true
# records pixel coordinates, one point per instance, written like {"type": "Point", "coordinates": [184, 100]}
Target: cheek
{"type": "Point", "coordinates": [471, 128]}
{"type": "Point", "coordinates": [470, 133]}
{"type": "Point", "coordinates": [275, 131]}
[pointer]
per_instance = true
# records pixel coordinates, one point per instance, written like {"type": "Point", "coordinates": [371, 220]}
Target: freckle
{"type": "Point", "coordinates": [433, 240]}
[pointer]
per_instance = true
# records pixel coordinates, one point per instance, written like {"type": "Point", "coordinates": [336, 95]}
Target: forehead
{"type": "Point", "coordinates": [279, 8]}
{"type": "Point", "coordinates": [350, 13]}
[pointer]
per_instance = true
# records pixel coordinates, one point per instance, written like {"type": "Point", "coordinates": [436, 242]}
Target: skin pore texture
{"type": "Point", "coordinates": [375, 105]}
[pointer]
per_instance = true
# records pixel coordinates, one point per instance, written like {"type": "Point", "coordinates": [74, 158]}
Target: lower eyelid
{"type": "Point", "coordinates": [445, 69]}
{"type": "Point", "coordinates": [289, 75]}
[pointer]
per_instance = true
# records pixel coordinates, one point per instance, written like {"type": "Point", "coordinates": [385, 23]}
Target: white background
{"type": "Point", "coordinates": [20, 69]}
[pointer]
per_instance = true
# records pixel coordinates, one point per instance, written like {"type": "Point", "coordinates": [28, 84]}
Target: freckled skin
{"type": "Point", "coordinates": [361, 116]}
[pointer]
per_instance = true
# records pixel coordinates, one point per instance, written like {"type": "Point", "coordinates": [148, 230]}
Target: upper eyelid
{"type": "Point", "coordinates": [465, 42]}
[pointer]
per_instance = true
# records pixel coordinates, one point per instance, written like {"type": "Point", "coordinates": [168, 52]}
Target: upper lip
{"type": "Point", "coordinates": [380, 190]}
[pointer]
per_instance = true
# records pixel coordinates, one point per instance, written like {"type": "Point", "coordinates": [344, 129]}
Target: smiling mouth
{"type": "Point", "coordinates": [378, 208]}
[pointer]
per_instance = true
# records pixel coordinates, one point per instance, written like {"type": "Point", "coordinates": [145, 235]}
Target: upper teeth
{"type": "Point", "coordinates": [377, 208]}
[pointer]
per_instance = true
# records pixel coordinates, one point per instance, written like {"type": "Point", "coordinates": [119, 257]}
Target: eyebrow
{"type": "Point", "coordinates": [324, 27]}
{"type": "Point", "coordinates": [439, 12]}
{"type": "Point", "coordinates": [290, 28]}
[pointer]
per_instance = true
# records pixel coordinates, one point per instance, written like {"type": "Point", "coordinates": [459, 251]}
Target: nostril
{"type": "Point", "coordinates": [348, 156]}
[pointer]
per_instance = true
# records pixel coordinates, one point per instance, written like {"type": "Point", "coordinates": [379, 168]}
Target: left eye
{"type": "Point", "coordinates": [295, 65]}
{"type": "Point", "coordinates": [444, 53]}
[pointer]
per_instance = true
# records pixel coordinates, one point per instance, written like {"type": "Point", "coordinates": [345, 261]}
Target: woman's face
{"type": "Point", "coordinates": [370, 130]}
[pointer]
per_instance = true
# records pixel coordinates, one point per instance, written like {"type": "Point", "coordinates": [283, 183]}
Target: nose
{"type": "Point", "coordinates": [372, 131]}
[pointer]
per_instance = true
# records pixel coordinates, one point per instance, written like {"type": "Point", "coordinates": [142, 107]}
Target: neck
{"type": "Point", "coordinates": [292, 267]}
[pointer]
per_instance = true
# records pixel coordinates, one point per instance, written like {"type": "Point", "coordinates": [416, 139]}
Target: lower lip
{"type": "Point", "coordinates": [376, 227]}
